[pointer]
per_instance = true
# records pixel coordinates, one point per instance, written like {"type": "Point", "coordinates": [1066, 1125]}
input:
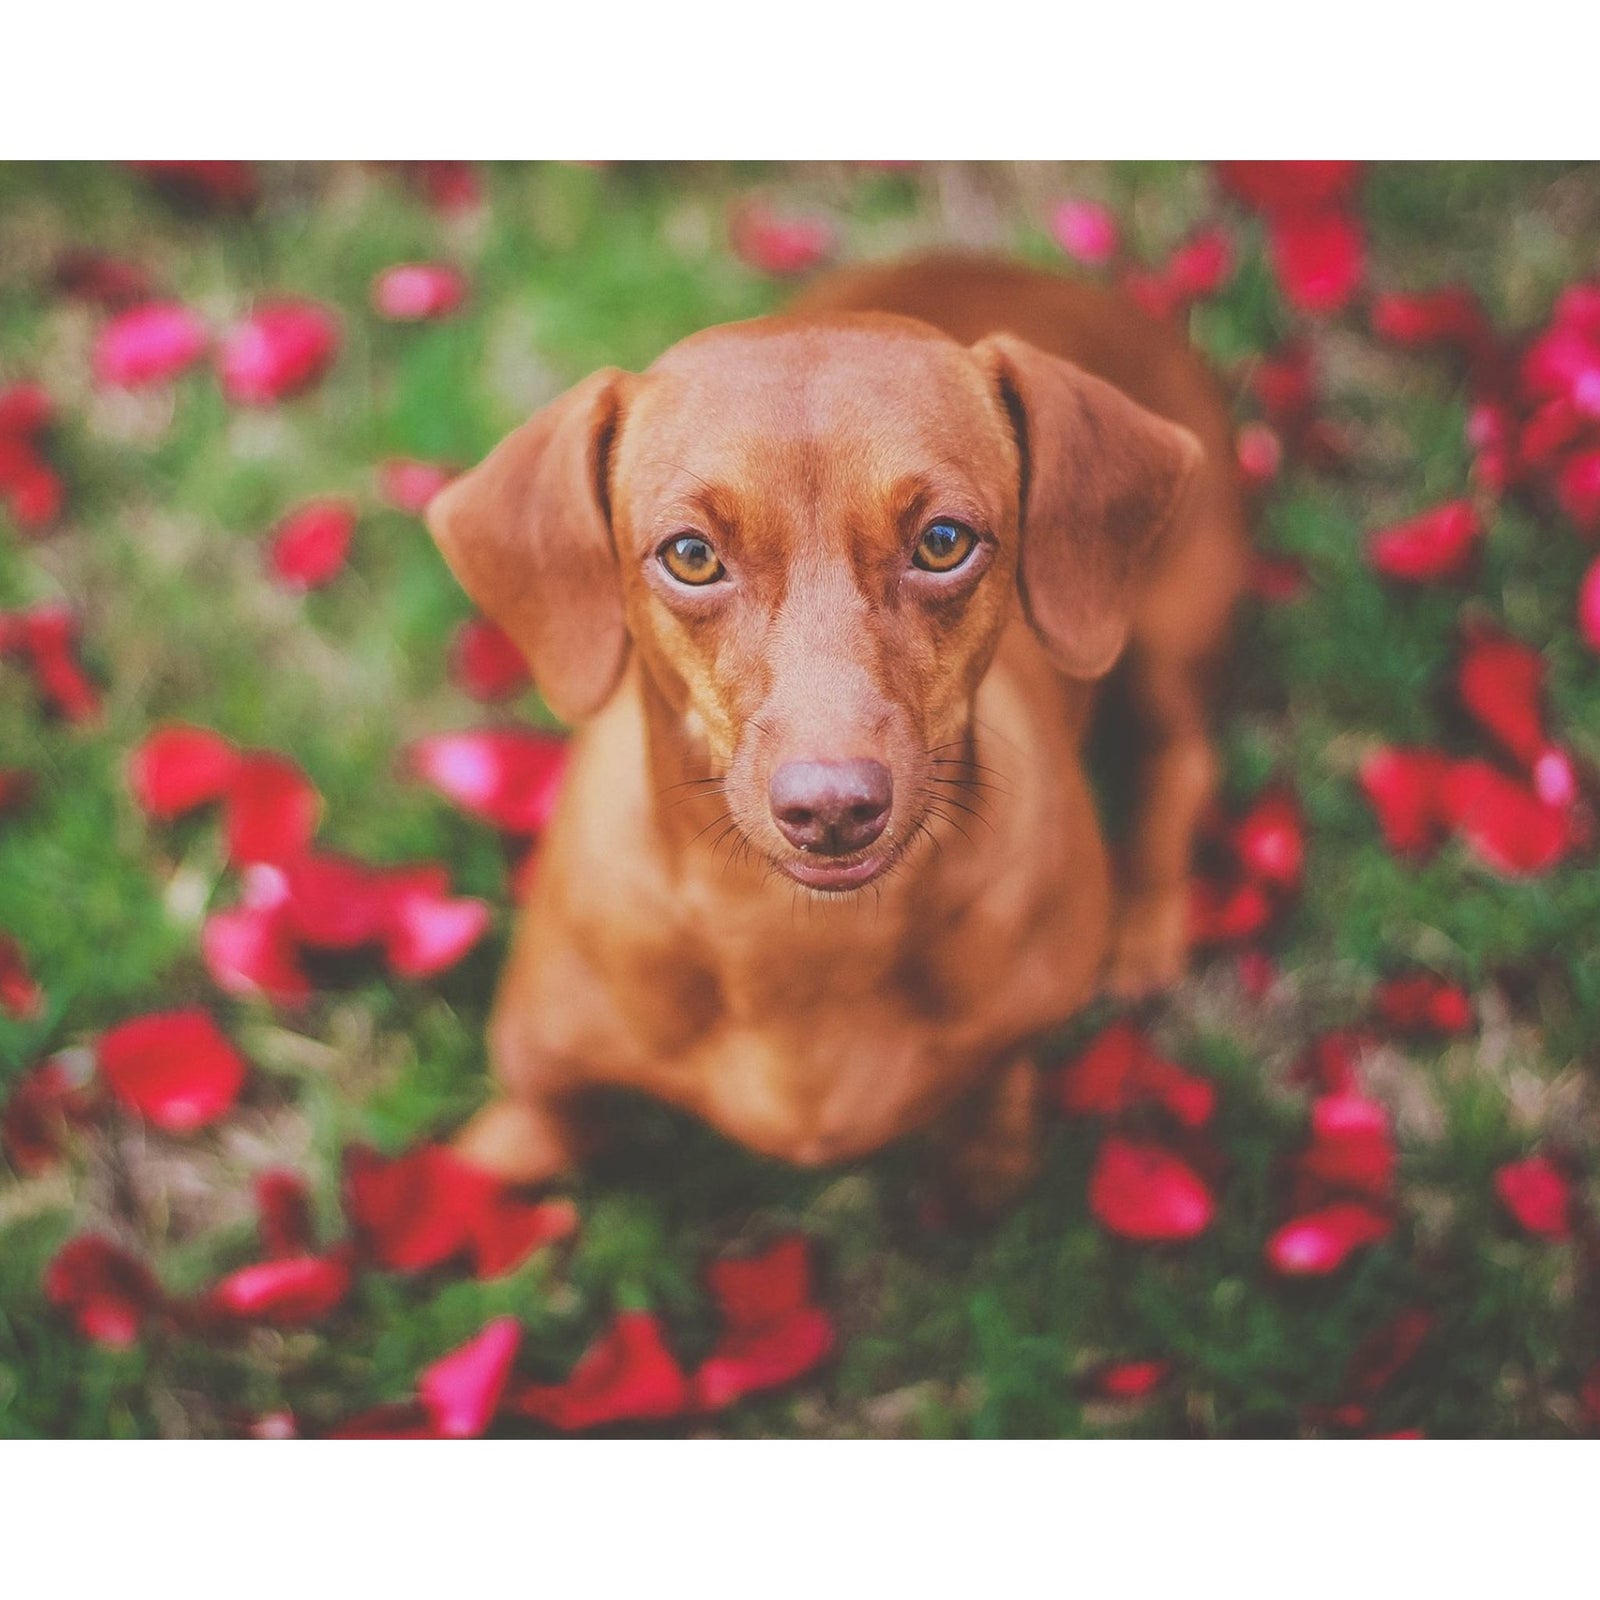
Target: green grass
{"type": "Point", "coordinates": [941, 1333]}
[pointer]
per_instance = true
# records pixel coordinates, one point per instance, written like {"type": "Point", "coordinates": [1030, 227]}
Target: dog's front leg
{"type": "Point", "coordinates": [988, 1145]}
{"type": "Point", "coordinates": [532, 1131]}
{"type": "Point", "coordinates": [1177, 779]}
{"type": "Point", "coordinates": [523, 1141]}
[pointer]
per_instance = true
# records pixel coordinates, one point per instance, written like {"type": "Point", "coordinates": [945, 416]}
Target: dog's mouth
{"type": "Point", "coordinates": [835, 875]}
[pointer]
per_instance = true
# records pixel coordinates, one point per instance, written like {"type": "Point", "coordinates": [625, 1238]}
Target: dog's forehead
{"type": "Point", "coordinates": [883, 396]}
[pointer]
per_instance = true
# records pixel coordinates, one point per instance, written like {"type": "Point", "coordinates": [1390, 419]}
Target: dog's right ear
{"type": "Point", "coordinates": [528, 535]}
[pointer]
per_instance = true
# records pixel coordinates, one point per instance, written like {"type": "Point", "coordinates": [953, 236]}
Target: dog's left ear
{"type": "Point", "coordinates": [528, 535]}
{"type": "Point", "coordinates": [1101, 480]}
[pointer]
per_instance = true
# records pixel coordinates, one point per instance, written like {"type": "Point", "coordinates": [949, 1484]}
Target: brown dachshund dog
{"type": "Point", "coordinates": [829, 594]}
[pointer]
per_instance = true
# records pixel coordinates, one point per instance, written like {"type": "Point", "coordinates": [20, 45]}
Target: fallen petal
{"type": "Point", "coordinates": [418, 291]}
{"type": "Point", "coordinates": [179, 767]}
{"type": "Point", "coordinates": [176, 1069]}
{"type": "Point", "coordinates": [462, 1390]}
{"type": "Point", "coordinates": [627, 1375]}
{"type": "Point", "coordinates": [1538, 1194]}
{"type": "Point", "coordinates": [1421, 1003]}
{"type": "Point", "coordinates": [272, 810]}
{"type": "Point", "coordinates": [288, 1292]}
{"type": "Point", "coordinates": [1142, 1191]}
{"type": "Point", "coordinates": [1440, 543]}
{"type": "Point", "coordinates": [486, 664]}
{"type": "Point", "coordinates": [508, 776]}
{"type": "Point", "coordinates": [108, 1293]}
{"type": "Point", "coordinates": [149, 344]}
{"type": "Point", "coordinates": [1322, 1241]}
{"type": "Point", "coordinates": [280, 349]}
{"type": "Point", "coordinates": [311, 544]}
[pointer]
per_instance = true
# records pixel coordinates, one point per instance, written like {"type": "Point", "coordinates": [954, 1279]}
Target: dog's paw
{"type": "Point", "coordinates": [521, 1144]}
{"type": "Point", "coordinates": [1151, 947]}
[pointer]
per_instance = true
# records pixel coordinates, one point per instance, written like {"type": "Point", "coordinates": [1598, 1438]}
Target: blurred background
{"type": "Point", "coordinates": [268, 790]}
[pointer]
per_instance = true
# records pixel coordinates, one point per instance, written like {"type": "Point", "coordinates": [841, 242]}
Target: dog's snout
{"type": "Point", "coordinates": [831, 807]}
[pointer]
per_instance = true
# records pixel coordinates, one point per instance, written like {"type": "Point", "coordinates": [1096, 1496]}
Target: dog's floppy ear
{"type": "Point", "coordinates": [1101, 479]}
{"type": "Point", "coordinates": [528, 534]}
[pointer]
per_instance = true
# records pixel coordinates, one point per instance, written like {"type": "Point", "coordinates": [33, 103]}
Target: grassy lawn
{"type": "Point", "coordinates": [172, 496]}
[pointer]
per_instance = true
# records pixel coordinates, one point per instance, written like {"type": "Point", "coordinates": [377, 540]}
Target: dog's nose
{"type": "Point", "coordinates": [831, 808]}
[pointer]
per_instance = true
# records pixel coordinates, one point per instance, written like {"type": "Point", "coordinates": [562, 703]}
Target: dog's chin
{"type": "Point", "coordinates": [827, 875]}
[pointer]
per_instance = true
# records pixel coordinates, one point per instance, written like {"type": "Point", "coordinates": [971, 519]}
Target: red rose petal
{"type": "Point", "coordinates": [754, 1291]}
{"type": "Point", "coordinates": [1130, 1380]}
{"type": "Point", "coordinates": [177, 1069]}
{"type": "Point", "coordinates": [1500, 682]}
{"type": "Point", "coordinates": [461, 1391]}
{"type": "Point", "coordinates": [1589, 608]}
{"type": "Point", "coordinates": [333, 902]}
{"type": "Point", "coordinates": [409, 1420]}
{"type": "Point", "coordinates": [486, 664]}
{"type": "Point", "coordinates": [283, 1208]}
{"type": "Point", "coordinates": [1351, 1146]}
{"type": "Point", "coordinates": [1120, 1069]}
{"type": "Point", "coordinates": [1222, 913]}
{"type": "Point", "coordinates": [1538, 1194]}
{"type": "Point", "coordinates": [108, 1293]}
{"type": "Point", "coordinates": [25, 410]}
{"type": "Point", "coordinates": [418, 1209]}
{"type": "Point", "coordinates": [507, 1232]}
{"type": "Point", "coordinates": [1142, 1191]}
{"type": "Point", "coordinates": [1319, 258]}
{"type": "Point", "coordinates": [418, 291]}
{"type": "Point", "coordinates": [272, 810]}
{"type": "Point", "coordinates": [1279, 186]}
{"type": "Point", "coordinates": [280, 349]}
{"type": "Point", "coordinates": [250, 950]}
{"type": "Point", "coordinates": [1382, 1355]}
{"type": "Point", "coordinates": [35, 496]}
{"type": "Point", "coordinates": [1200, 266]}
{"type": "Point", "coordinates": [311, 544]}
{"type": "Point", "coordinates": [508, 776]}
{"type": "Point", "coordinates": [1331, 1064]}
{"type": "Point", "coordinates": [428, 933]}
{"type": "Point", "coordinates": [782, 246]}
{"type": "Point", "coordinates": [1269, 840]}
{"type": "Point", "coordinates": [222, 185]}
{"type": "Point", "coordinates": [1578, 490]}
{"type": "Point", "coordinates": [1259, 452]}
{"type": "Point", "coordinates": [1440, 543]}
{"type": "Point", "coordinates": [287, 1292]}
{"type": "Point", "coordinates": [1452, 317]}
{"type": "Point", "coordinates": [1506, 825]}
{"type": "Point", "coordinates": [20, 996]}
{"type": "Point", "coordinates": [47, 637]}
{"type": "Point", "coordinates": [179, 767]}
{"type": "Point", "coordinates": [101, 280]}
{"type": "Point", "coordinates": [1405, 789]}
{"type": "Point", "coordinates": [1322, 1241]}
{"type": "Point", "coordinates": [409, 485]}
{"type": "Point", "coordinates": [1422, 1003]}
{"type": "Point", "coordinates": [44, 1106]}
{"type": "Point", "coordinates": [149, 344]}
{"type": "Point", "coordinates": [627, 1375]}
{"type": "Point", "coordinates": [1087, 231]}
{"type": "Point", "coordinates": [747, 1361]}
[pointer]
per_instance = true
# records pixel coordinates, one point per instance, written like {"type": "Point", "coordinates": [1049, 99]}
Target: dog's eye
{"type": "Point", "coordinates": [690, 559]}
{"type": "Point", "coordinates": [944, 546]}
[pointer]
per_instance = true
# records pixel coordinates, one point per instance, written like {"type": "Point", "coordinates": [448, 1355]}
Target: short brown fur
{"type": "Point", "coordinates": [664, 947]}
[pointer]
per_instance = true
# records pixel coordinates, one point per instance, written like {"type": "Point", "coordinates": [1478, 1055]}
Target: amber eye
{"type": "Point", "coordinates": [944, 545]}
{"type": "Point", "coordinates": [691, 560]}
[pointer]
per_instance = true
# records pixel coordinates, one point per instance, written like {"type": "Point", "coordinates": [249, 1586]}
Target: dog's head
{"type": "Point", "coordinates": [813, 533]}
